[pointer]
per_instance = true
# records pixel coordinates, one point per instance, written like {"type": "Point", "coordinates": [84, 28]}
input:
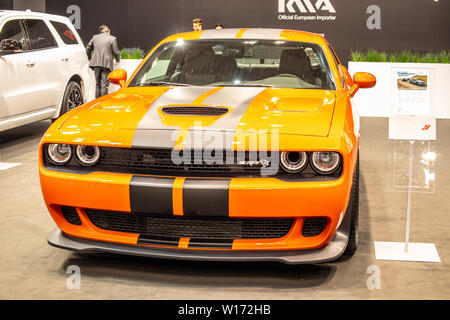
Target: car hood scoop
{"type": "Point", "coordinates": [195, 111]}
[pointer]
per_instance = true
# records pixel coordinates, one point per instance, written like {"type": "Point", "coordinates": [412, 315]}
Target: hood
{"type": "Point", "coordinates": [290, 111]}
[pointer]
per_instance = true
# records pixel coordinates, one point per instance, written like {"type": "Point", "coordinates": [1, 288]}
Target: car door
{"type": "Point", "coordinates": [16, 80]}
{"type": "Point", "coordinates": [45, 63]}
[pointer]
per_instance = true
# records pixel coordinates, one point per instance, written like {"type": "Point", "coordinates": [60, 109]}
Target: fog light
{"type": "Point", "coordinates": [325, 162]}
{"type": "Point", "coordinates": [88, 155]}
{"type": "Point", "coordinates": [293, 161]}
{"type": "Point", "coordinates": [59, 154]}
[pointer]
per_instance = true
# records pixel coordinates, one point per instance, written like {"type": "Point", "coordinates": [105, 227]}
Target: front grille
{"type": "Point", "coordinates": [313, 226]}
{"type": "Point", "coordinates": [191, 227]}
{"type": "Point", "coordinates": [159, 162]}
{"type": "Point", "coordinates": [195, 111]}
{"type": "Point", "coordinates": [71, 215]}
{"type": "Point", "coordinates": [191, 163]}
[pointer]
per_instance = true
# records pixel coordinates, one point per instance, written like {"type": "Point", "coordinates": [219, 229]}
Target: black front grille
{"type": "Point", "coordinates": [71, 215]}
{"type": "Point", "coordinates": [191, 163]}
{"type": "Point", "coordinates": [191, 227]}
{"type": "Point", "coordinates": [313, 226]}
{"type": "Point", "coordinates": [196, 163]}
{"type": "Point", "coordinates": [195, 111]}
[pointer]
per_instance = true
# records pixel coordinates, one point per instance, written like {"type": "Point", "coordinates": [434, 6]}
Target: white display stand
{"type": "Point", "coordinates": [376, 102]}
{"type": "Point", "coordinates": [419, 252]}
{"type": "Point", "coordinates": [412, 118]}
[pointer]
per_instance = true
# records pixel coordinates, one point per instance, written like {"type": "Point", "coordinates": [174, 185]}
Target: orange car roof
{"type": "Point", "coordinates": [251, 34]}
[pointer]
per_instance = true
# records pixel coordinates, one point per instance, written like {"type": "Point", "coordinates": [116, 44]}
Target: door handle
{"type": "Point", "coordinates": [30, 63]}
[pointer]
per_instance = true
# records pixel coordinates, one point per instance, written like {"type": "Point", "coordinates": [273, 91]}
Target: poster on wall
{"type": "Point", "coordinates": [412, 116]}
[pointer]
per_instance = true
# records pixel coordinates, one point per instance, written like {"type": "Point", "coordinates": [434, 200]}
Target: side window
{"type": "Point", "coordinates": [160, 66]}
{"type": "Point", "coordinates": [336, 61]}
{"type": "Point", "coordinates": [39, 35]}
{"type": "Point", "coordinates": [13, 30]}
{"type": "Point", "coordinates": [64, 32]}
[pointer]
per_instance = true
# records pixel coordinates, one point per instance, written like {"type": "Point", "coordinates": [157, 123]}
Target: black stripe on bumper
{"type": "Point", "coordinates": [206, 197]}
{"type": "Point", "coordinates": [153, 195]}
{"type": "Point", "coordinates": [158, 241]}
{"type": "Point", "coordinates": [205, 243]}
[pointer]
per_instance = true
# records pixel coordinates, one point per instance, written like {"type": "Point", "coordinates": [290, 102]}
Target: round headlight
{"type": "Point", "coordinates": [88, 155]}
{"type": "Point", "coordinates": [325, 162]}
{"type": "Point", "coordinates": [59, 154]}
{"type": "Point", "coordinates": [293, 161]}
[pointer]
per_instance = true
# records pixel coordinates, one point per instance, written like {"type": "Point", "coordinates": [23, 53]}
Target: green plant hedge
{"type": "Point", "coordinates": [132, 53]}
{"type": "Point", "coordinates": [404, 56]}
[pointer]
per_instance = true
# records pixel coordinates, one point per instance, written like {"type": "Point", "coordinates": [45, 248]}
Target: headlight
{"type": "Point", "coordinates": [88, 155]}
{"type": "Point", "coordinates": [59, 154]}
{"type": "Point", "coordinates": [325, 162]}
{"type": "Point", "coordinates": [293, 161]}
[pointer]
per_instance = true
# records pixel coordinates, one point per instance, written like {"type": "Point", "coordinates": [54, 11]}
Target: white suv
{"type": "Point", "coordinates": [44, 69]}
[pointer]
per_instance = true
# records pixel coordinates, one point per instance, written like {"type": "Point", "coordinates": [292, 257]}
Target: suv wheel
{"type": "Point", "coordinates": [73, 97]}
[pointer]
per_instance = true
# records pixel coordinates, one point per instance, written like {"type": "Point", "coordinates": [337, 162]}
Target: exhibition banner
{"type": "Point", "coordinates": [349, 25]}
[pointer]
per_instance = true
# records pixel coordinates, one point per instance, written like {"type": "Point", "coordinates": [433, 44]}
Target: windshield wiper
{"type": "Point", "coordinates": [158, 83]}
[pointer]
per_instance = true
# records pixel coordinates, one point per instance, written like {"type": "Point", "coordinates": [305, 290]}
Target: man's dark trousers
{"type": "Point", "coordinates": [101, 81]}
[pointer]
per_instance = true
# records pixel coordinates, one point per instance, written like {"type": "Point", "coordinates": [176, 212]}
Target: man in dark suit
{"type": "Point", "coordinates": [105, 50]}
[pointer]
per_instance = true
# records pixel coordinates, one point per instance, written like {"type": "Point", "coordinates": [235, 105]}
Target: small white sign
{"type": "Point", "coordinates": [409, 127]}
{"type": "Point", "coordinates": [412, 115]}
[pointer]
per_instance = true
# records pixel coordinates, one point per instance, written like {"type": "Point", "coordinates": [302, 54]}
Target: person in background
{"type": "Point", "coordinates": [197, 24]}
{"type": "Point", "coordinates": [105, 49]}
{"type": "Point", "coordinates": [219, 26]}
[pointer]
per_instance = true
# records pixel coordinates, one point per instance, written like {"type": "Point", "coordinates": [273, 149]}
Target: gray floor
{"type": "Point", "coordinates": [31, 269]}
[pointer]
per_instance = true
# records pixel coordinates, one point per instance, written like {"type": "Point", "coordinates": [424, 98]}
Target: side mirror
{"type": "Point", "coordinates": [118, 77]}
{"type": "Point", "coordinates": [10, 46]}
{"type": "Point", "coordinates": [362, 80]}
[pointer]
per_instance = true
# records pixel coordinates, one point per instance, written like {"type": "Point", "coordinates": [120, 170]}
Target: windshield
{"type": "Point", "coordinates": [237, 62]}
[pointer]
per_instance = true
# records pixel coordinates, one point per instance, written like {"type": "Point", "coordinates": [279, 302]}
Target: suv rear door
{"type": "Point", "coordinates": [45, 64]}
{"type": "Point", "coordinates": [16, 98]}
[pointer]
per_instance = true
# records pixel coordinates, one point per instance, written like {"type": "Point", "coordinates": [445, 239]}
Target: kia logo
{"type": "Point", "coordinates": [305, 6]}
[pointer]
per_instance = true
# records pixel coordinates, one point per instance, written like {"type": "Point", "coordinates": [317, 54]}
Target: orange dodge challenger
{"type": "Point", "coordinates": [232, 144]}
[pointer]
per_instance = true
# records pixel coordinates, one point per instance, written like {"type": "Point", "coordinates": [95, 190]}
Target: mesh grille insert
{"type": "Point", "coordinates": [191, 227]}
{"type": "Point", "coordinates": [197, 111]}
{"type": "Point", "coordinates": [71, 215]}
{"type": "Point", "coordinates": [313, 226]}
{"type": "Point", "coordinates": [159, 162]}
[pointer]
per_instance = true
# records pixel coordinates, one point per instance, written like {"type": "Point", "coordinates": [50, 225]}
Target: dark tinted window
{"type": "Point", "coordinates": [12, 30]}
{"type": "Point", "coordinates": [64, 32]}
{"type": "Point", "coordinates": [40, 36]}
{"type": "Point", "coordinates": [237, 62]}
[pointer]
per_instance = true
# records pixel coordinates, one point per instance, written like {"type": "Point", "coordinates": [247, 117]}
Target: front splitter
{"type": "Point", "coordinates": [331, 252]}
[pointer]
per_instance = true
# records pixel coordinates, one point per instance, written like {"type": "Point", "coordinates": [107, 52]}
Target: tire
{"type": "Point", "coordinates": [73, 97]}
{"type": "Point", "coordinates": [352, 244]}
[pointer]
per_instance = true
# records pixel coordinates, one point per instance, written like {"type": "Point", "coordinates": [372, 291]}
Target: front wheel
{"type": "Point", "coordinates": [73, 97]}
{"type": "Point", "coordinates": [353, 234]}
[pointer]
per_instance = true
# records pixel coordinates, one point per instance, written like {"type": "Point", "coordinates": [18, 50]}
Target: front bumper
{"type": "Point", "coordinates": [330, 252]}
{"type": "Point", "coordinates": [201, 197]}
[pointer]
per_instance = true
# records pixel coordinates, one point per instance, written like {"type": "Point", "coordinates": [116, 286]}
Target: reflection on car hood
{"type": "Point", "coordinates": [289, 111]}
